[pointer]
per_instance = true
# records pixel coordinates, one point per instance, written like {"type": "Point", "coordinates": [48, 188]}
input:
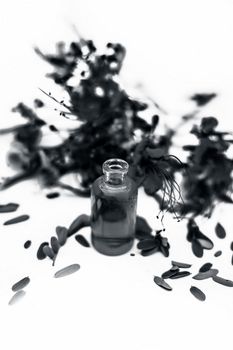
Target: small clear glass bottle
{"type": "Point", "coordinates": [113, 209]}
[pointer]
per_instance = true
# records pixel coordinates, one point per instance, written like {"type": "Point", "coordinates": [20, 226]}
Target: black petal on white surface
{"type": "Point", "coordinates": [161, 283]}
{"type": "Point", "coordinates": [27, 244]}
{"type": "Point", "coordinates": [20, 284]}
{"type": "Point", "coordinates": [40, 252]}
{"type": "Point", "coordinates": [62, 233]}
{"type": "Point", "coordinates": [206, 274]}
{"type": "Point", "coordinates": [223, 281]}
{"type": "Point", "coordinates": [80, 222]}
{"type": "Point", "coordinates": [8, 208]}
{"type": "Point", "coordinates": [82, 240]}
{"type": "Point", "coordinates": [180, 274]}
{"type": "Point", "coordinates": [218, 253]}
{"type": "Point", "coordinates": [16, 220]}
{"type": "Point", "coordinates": [205, 267]}
{"type": "Point", "coordinates": [197, 293]}
{"type": "Point", "coordinates": [181, 265]}
{"type": "Point", "coordinates": [68, 270]}
{"type": "Point", "coordinates": [220, 231]}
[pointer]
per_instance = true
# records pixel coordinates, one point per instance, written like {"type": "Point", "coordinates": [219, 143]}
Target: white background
{"type": "Point", "coordinates": [175, 48]}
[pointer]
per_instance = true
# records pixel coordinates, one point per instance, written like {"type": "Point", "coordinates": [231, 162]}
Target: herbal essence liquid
{"type": "Point", "coordinates": [113, 209]}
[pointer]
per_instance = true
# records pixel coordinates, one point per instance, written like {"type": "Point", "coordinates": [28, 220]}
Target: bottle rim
{"type": "Point", "coordinates": [115, 165]}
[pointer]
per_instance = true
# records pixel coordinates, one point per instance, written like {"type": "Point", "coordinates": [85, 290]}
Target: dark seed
{"type": "Point", "coordinates": [181, 265]}
{"type": "Point", "coordinates": [220, 231]}
{"type": "Point", "coordinates": [197, 293]}
{"type": "Point", "coordinates": [20, 284]}
{"type": "Point", "coordinates": [223, 281]}
{"type": "Point", "coordinates": [197, 249]}
{"type": "Point", "coordinates": [27, 244]}
{"type": "Point", "coordinates": [232, 260]}
{"type": "Point", "coordinates": [231, 246]}
{"type": "Point", "coordinates": [205, 267]}
{"type": "Point", "coordinates": [206, 274]}
{"type": "Point", "coordinates": [40, 252]}
{"type": "Point", "coordinates": [180, 274]}
{"type": "Point", "coordinates": [132, 254]}
{"type": "Point", "coordinates": [16, 220]}
{"type": "Point", "coordinates": [218, 253]}
{"type": "Point", "coordinates": [62, 233]}
{"type": "Point", "coordinates": [55, 244]}
{"type": "Point", "coordinates": [8, 208]}
{"type": "Point", "coordinates": [82, 240]}
{"type": "Point", "coordinates": [80, 222]}
{"type": "Point", "coordinates": [53, 195]}
{"type": "Point", "coordinates": [161, 283]}
{"type": "Point", "coordinates": [17, 297]}
{"type": "Point", "coordinates": [68, 270]}
{"type": "Point", "coordinates": [48, 252]}
{"type": "Point", "coordinates": [169, 273]}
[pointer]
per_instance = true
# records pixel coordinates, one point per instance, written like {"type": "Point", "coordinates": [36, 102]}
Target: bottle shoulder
{"type": "Point", "coordinates": [100, 186]}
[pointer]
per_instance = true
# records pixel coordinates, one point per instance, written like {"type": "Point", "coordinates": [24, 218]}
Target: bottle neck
{"type": "Point", "coordinates": [114, 179]}
{"type": "Point", "coordinates": [115, 172]}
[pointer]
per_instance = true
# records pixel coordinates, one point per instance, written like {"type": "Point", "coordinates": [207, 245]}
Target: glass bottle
{"type": "Point", "coordinates": [113, 209]}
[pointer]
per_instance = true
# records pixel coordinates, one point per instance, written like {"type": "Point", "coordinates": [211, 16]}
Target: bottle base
{"type": "Point", "coordinates": [112, 246]}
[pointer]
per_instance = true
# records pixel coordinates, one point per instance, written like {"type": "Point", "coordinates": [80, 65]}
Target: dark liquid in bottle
{"type": "Point", "coordinates": [113, 216]}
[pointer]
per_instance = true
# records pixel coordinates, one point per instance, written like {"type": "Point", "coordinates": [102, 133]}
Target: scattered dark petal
{"type": "Point", "coordinates": [203, 99]}
{"type": "Point", "coordinates": [218, 253]}
{"type": "Point", "coordinates": [81, 221]}
{"type": "Point", "coordinates": [161, 283]}
{"type": "Point", "coordinates": [220, 231]}
{"type": "Point", "coordinates": [180, 274]}
{"type": "Point", "coordinates": [8, 208]}
{"type": "Point", "coordinates": [27, 244]}
{"type": "Point", "coordinates": [82, 240]}
{"type": "Point", "coordinates": [62, 233]}
{"type": "Point", "coordinates": [169, 273]}
{"type": "Point", "coordinates": [53, 195]}
{"type": "Point", "coordinates": [181, 265]}
{"type": "Point", "coordinates": [197, 293]}
{"type": "Point", "coordinates": [16, 220]}
{"type": "Point", "coordinates": [197, 249]}
{"type": "Point", "coordinates": [148, 243]}
{"type": "Point", "coordinates": [223, 281]}
{"type": "Point", "coordinates": [17, 297]}
{"type": "Point", "coordinates": [49, 252]}
{"type": "Point", "coordinates": [232, 260]}
{"type": "Point", "coordinates": [206, 274]}
{"type": "Point", "coordinates": [40, 252]}
{"type": "Point", "coordinates": [68, 270]}
{"type": "Point", "coordinates": [20, 284]}
{"type": "Point", "coordinates": [205, 267]}
{"type": "Point", "coordinates": [55, 245]}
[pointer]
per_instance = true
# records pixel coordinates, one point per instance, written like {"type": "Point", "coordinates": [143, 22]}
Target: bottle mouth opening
{"type": "Point", "coordinates": [115, 165]}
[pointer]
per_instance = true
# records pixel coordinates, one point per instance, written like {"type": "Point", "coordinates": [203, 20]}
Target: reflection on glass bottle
{"type": "Point", "coordinates": [113, 209]}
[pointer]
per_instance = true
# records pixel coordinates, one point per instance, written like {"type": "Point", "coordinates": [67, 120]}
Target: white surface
{"type": "Point", "coordinates": [175, 48]}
